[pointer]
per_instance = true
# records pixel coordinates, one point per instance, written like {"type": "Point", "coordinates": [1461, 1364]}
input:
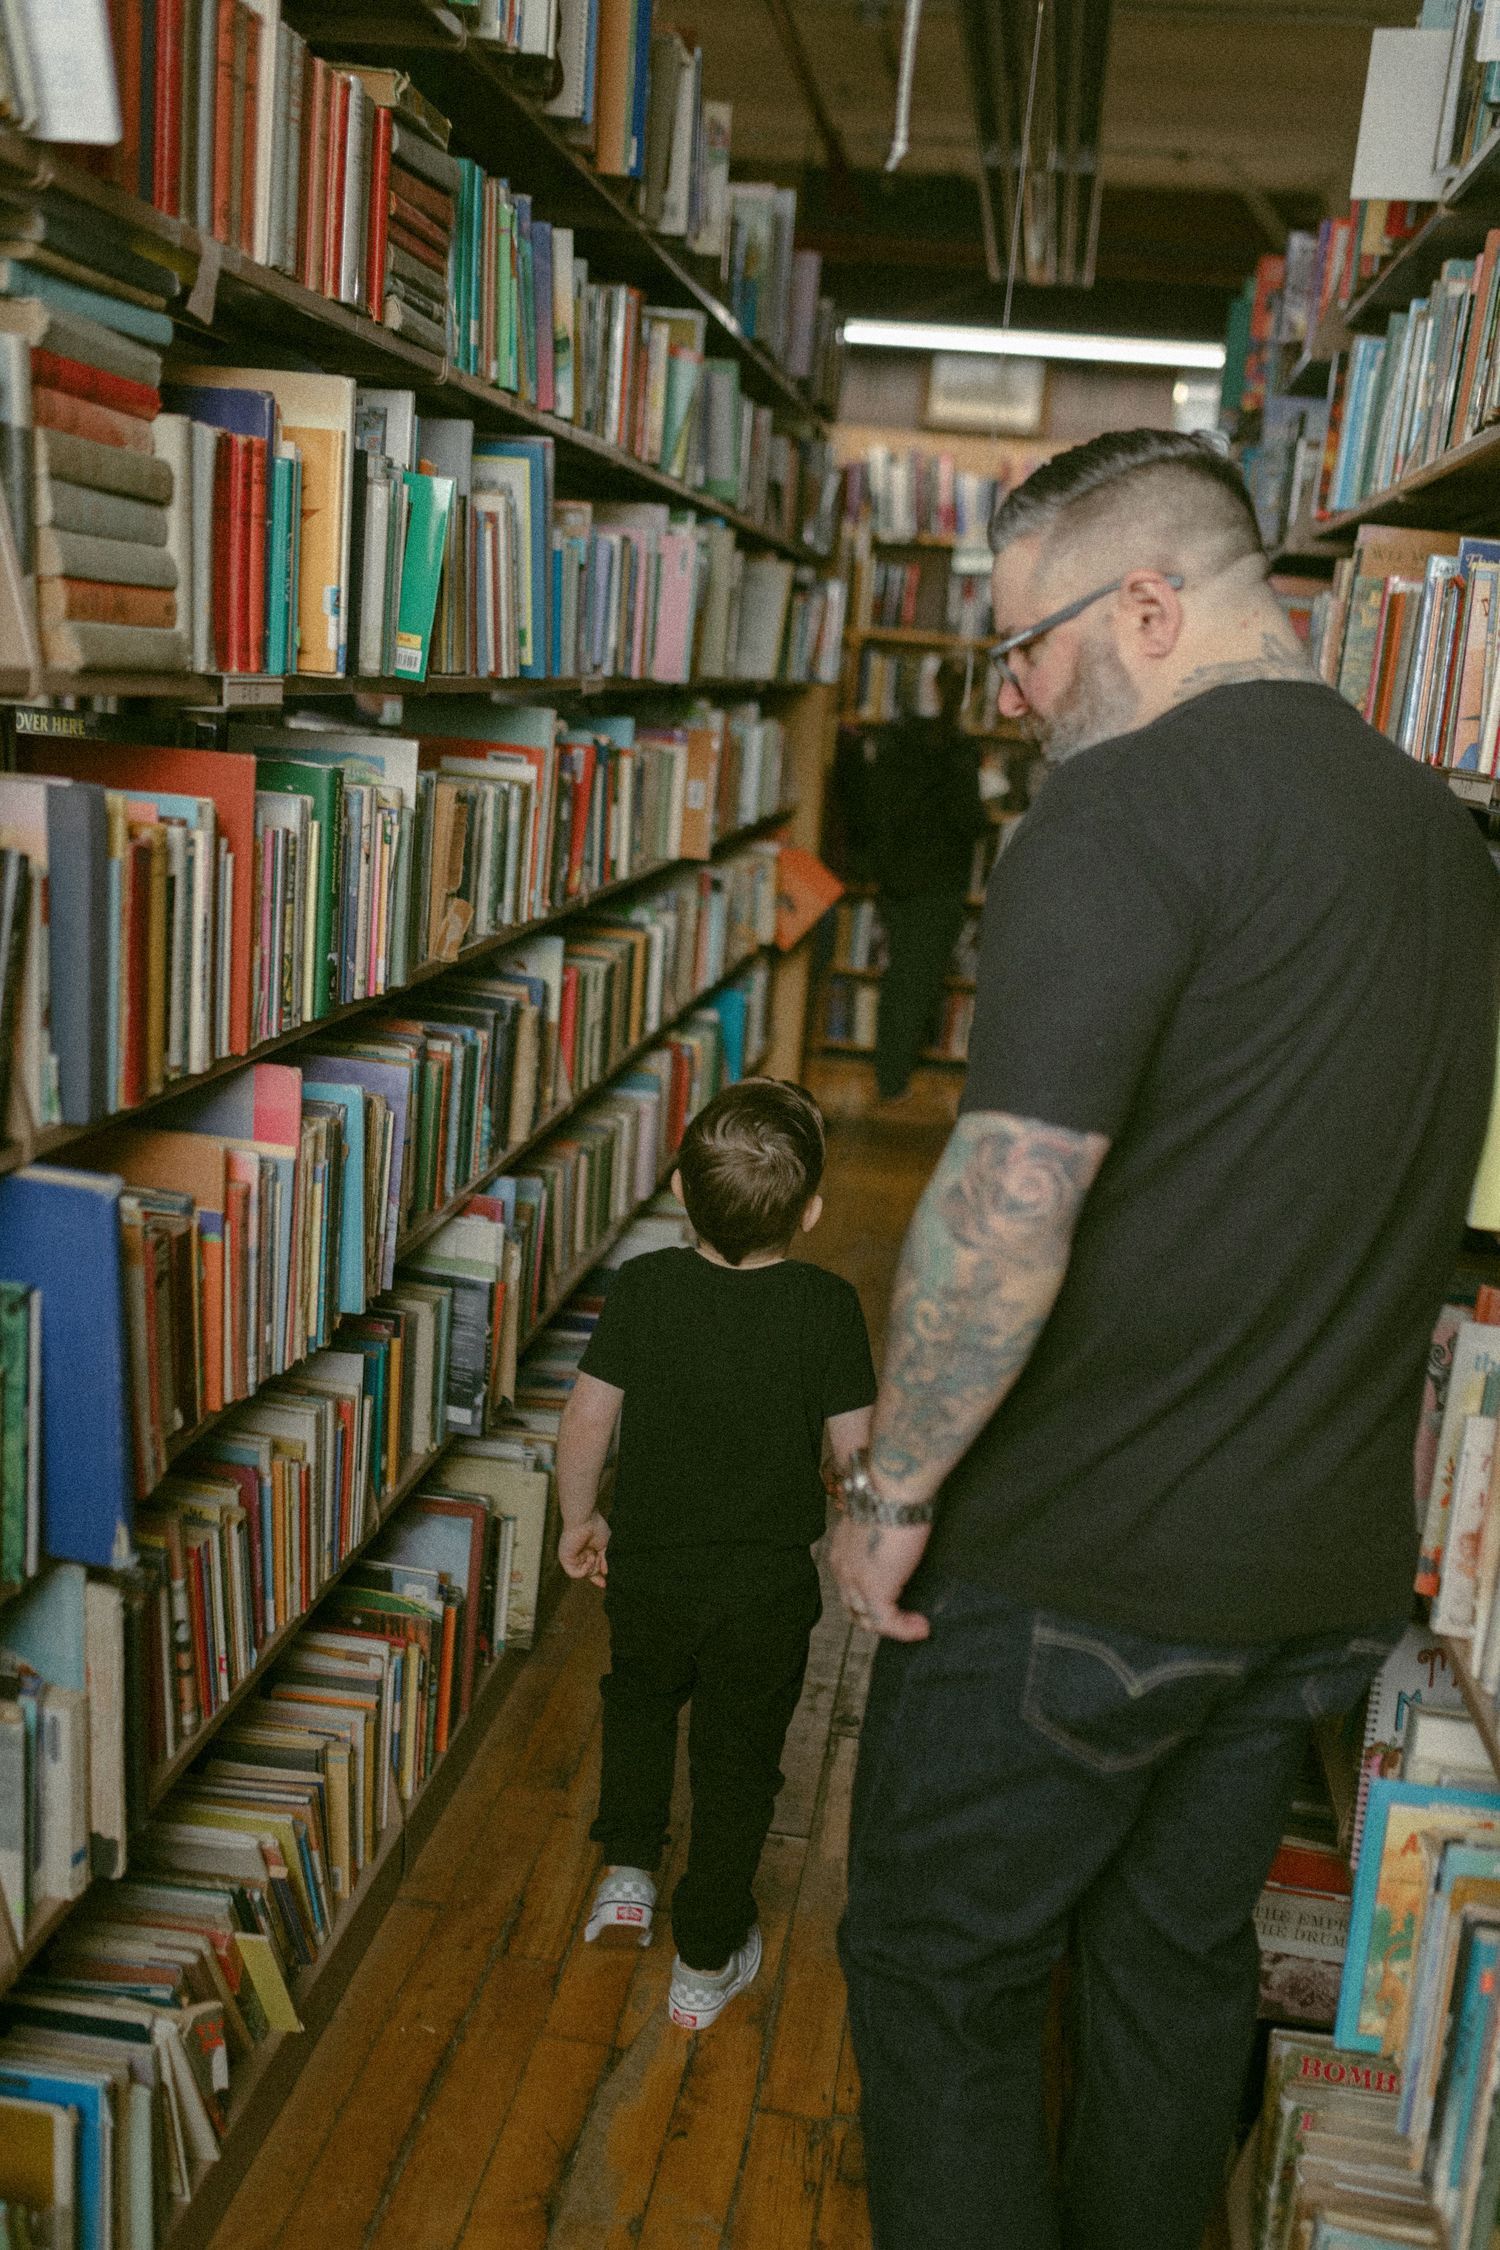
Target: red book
{"type": "Point", "coordinates": [138, 928]}
{"type": "Point", "coordinates": [255, 573]}
{"type": "Point", "coordinates": [199, 1596]}
{"type": "Point", "coordinates": [252, 133]}
{"type": "Point", "coordinates": [421, 229]}
{"type": "Point", "coordinates": [337, 172]}
{"type": "Point", "coordinates": [80, 380]}
{"type": "Point", "coordinates": [583, 790]}
{"type": "Point", "coordinates": [378, 222]}
{"type": "Point", "coordinates": [167, 151]}
{"type": "Point", "coordinates": [225, 612]}
{"type": "Point", "coordinates": [128, 30]}
{"type": "Point", "coordinates": [223, 119]}
{"type": "Point", "coordinates": [81, 417]}
{"type": "Point", "coordinates": [429, 200]}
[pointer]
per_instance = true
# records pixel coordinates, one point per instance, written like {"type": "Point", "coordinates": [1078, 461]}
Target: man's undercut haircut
{"type": "Point", "coordinates": [1152, 497]}
{"type": "Point", "coordinates": [750, 1162]}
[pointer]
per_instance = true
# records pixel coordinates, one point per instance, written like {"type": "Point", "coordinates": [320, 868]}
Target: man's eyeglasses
{"type": "Point", "coordinates": [998, 651]}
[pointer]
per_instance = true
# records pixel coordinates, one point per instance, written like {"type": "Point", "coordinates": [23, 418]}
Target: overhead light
{"type": "Point", "coordinates": [1030, 343]}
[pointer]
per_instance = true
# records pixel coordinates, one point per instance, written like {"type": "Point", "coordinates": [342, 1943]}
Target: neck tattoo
{"type": "Point", "coordinates": [1274, 661]}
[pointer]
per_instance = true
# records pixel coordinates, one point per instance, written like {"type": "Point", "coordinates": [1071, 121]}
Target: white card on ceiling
{"type": "Point", "coordinates": [1403, 108]}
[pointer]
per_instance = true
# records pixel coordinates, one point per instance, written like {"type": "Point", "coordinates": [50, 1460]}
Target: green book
{"type": "Point", "coordinates": [324, 787]}
{"type": "Point", "coordinates": [429, 500]}
{"type": "Point", "coordinates": [18, 1307]}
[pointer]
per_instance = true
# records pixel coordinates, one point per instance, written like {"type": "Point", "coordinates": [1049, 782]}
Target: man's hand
{"type": "Point", "coordinates": [872, 1563]}
{"type": "Point", "coordinates": [581, 1550]}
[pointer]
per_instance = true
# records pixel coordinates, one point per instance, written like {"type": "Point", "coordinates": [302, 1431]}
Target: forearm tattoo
{"type": "Point", "coordinates": [979, 1273]}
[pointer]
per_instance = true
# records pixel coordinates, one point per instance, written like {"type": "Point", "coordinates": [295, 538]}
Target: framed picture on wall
{"type": "Point", "coordinates": [980, 392]}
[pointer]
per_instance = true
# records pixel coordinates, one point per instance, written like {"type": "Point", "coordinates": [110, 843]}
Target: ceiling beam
{"type": "Point", "coordinates": [796, 53]}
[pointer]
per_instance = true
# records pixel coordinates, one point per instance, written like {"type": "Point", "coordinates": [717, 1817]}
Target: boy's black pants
{"type": "Point", "coordinates": [727, 1634]}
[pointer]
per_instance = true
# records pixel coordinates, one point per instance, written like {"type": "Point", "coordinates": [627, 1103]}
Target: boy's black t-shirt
{"type": "Point", "coordinates": [729, 1374]}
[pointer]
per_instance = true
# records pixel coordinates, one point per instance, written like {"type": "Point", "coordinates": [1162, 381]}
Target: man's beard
{"type": "Point", "coordinates": [1100, 703]}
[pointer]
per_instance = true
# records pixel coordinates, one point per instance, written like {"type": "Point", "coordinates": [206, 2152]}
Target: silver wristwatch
{"type": "Point", "coordinates": [855, 1496]}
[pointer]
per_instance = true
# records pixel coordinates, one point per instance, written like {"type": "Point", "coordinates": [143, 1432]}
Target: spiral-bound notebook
{"type": "Point", "coordinates": [1415, 1672]}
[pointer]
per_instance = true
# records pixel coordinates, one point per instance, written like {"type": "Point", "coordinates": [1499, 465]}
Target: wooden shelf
{"type": "Point", "coordinates": [873, 976]}
{"type": "Point", "coordinates": [1480, 1706]}
{"type": "Point", "coordinates": [1448, 232]}
{"type": "Point", "coordinates": [260, 2085]}
{"type": "Point", "coordinates": [422, 1229]}
{"type": "Point", "coordinates": [912, 636]}
{"type": "Point", "coordinates": [53, 1139]}
{"type": "Point", "coordinates": [851, 1047]}
{"type": "Point", "coordinates": [251, 303]}
{"type": "Point", "coordinates": [491, 99]}
{"type": "Point", "coordinates": [177, 1765]}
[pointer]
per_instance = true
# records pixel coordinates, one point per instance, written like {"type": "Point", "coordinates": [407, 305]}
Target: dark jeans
{"type": "Point", "coordinates": [1026, 1781]}
{"type": "Point", "coordinates": [731, 1641]}
{"type": "Point", "coordinates": [921, 933]}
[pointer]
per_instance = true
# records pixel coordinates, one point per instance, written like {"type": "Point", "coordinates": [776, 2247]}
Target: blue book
{"type": "Point", "coordinates": [535, 453]}
{"type": "Point", "coordinates": [351, 1263]}
{"type": "Point", "coordinates": [541, 283]}
{"type": "Point", "coordinates": [78, 883]}
{"type": "Point", "coordinates": [278, 564]}
{"type": "Point", "coordinates": [84, 2090]}
{"type": "Point", "coordinates": [640, 87]}
{"type": "Point", "coordinates": [25, 280]}
{"type": "Point", "coordinates": [1474, 2010]}
{"type": "Point", "coordinates": [729, 1007]}
{"type": "Point", "coordinates": [1382, 1916]}
{"type": "Point", "coordinates": [60, 1233]}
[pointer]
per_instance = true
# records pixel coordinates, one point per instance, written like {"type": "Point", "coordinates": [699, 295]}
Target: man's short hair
{"type": "Point", "coordinates": [750, 1163]}
{"type": "Point", "coordinates": [1172, 488]}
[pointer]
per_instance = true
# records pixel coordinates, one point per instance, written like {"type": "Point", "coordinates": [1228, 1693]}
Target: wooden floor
{"type": "Point", "coordinates": [490, 2081]}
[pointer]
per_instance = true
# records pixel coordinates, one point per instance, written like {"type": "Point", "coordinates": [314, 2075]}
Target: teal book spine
{"type": "Point", "coordinates": [88, 304]}
{"type": "Point", "coordinates": [278, 566]}
{"type": "Point", "coordinates": [430, 500]}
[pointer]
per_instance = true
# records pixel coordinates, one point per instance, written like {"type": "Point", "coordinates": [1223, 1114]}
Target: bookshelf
{"type": "Point", "coordinates": [236, 309]}
{"type": "Point", "coordinates": [491, 100]}
{"type": "Point", "coordinates": [54, 1140]}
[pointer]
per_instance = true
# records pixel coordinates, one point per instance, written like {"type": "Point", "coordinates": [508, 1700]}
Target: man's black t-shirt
{"type": "Point", "coordinates": [1257, 947]}
{"type": "Point", "coordinates": [729, 1374]}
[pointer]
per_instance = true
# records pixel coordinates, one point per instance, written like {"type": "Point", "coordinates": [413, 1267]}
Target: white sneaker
{"type": "Point", "coordinates": [623, 1907]}
{"type": "Point", "coordinates": [698, 1998]}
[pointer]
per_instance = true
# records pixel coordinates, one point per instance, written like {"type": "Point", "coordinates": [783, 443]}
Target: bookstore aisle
{"type": "Point", "coordinates": [489, 2080]}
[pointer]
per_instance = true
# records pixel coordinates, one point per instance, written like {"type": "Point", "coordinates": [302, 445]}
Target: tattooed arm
{"type": "Point", "coordinates": [980, 1271]}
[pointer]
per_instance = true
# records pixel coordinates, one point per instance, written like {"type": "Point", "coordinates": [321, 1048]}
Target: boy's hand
{"type": "Point", "coordinates": [581, 1550]}
{"type": "Point", "coordinates": [872, 1563]}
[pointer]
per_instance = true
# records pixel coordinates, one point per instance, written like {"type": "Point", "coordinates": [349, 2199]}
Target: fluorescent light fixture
{"type": "Point", "coordinates": [1030, 343]}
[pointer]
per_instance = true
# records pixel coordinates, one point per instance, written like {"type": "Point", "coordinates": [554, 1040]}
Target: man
{"type": "Point", "coordinates": [926, 814]}
{"type": "Point", "coordinates": [1227, 1086]}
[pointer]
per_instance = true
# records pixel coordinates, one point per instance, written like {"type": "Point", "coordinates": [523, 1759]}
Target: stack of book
{"type": "Point", "coordinates": [921, 495]}
{"type": "Point", "coordinates": [414, 189]}
{"type": "Point", "coordinates": [1431, 381]}
{"type": "Point", "coordinates": [189, 903]}
{"type": "Point", "coordinates": [1410, 633]}
{"type": "Point", "coordinates": [82, 398]}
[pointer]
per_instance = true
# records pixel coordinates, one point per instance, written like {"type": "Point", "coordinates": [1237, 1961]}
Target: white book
{"type": "Point", "coordinates": [69, 56]}
{"type": "Point", "coordinates": [1453, 1607]}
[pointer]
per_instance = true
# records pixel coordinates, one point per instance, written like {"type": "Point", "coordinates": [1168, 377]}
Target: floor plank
{"type": "Point", "coordinates": [803, 2067]}
{"type": "Point", "coordinates": [705, 2140]}
{"type": "Point", "coordinates": [777, 2205]}
{"type": "Point", "coordinates": [513, 2208]}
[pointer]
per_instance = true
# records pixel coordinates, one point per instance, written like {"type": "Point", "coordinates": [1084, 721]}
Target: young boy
{"type": "Point", "coordinates": [724, 1365]}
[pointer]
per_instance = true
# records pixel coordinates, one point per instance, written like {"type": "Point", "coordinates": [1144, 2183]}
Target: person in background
{"type": "Point", "coordinates": [924, 812]}
{"type": "Point", "coordinates": [1154, 1367]}
{"type": "Point", "coordinates": [726, 1366]}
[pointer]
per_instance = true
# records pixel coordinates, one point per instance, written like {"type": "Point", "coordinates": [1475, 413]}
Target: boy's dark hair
{"type": "Point", "coordinates": [750, 1163]}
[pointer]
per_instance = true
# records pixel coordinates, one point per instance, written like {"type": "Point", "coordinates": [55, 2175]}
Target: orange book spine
{"type": "Point", "coordinates": [211, 1249]}
{"type": "Point", "coordinates": [445, 1679]}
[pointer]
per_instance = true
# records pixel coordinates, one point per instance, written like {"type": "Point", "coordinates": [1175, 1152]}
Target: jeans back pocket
{"type": "Point", "coordinates": [1116, 1701]}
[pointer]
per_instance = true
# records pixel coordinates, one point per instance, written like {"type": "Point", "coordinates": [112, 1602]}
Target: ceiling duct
{"type": "Point", "coordinates": [1038, 64]}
